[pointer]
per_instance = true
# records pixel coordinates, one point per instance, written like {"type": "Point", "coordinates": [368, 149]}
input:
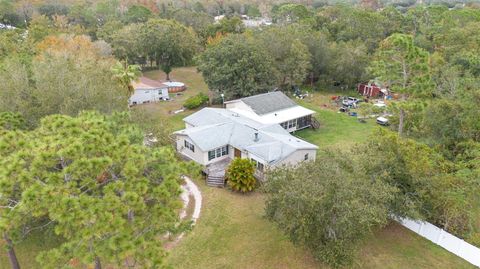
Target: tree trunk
{"type": "Point", "coordinates": [168, 76]}
{"type": "Point", "coordinates": [11, 252]}
{"type": "Point", "coordinates": [400, 122]}
{"type": "Point", "coordinates": [98, 264]}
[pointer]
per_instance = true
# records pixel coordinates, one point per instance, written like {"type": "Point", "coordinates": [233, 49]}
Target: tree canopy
{"type": "Point", "coordinates": [91, 178]}
{"type": "Point", "coordinates": [237, 66]}
{"type": "Point", "coordinates": [328, 205]}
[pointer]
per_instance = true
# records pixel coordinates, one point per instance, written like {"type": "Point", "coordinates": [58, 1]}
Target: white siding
{"type": "Point", "coordinates": [141, 96]}
{"type": "Point", "coordinates": [298, 156]}
{"type": "Point", "coordinates": [198, 156]}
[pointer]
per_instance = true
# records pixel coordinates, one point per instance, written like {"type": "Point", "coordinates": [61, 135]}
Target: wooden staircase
{"type": "Point", "coordinates": [213, 181]}
{"type": "Point", "coordinates": [315, 124]}
{"type": "Point", "coordinates": [216, 173]}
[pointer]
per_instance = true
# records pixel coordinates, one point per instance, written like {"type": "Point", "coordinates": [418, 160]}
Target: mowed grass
{"type": "Point", "coordinates": [337, 130]}
{"type": "Point", "coordinates": [233, 233]}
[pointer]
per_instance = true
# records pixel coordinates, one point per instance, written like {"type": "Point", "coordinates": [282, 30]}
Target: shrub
{"type": "Point", "coordinates": [196, 101]}
{"type": "Point", "coordinates": [240, 175]}
{"type": "Point", "coordinates": [11, 121]}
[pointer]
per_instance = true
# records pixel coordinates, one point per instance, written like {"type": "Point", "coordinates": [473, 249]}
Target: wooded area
{"type": "Point", "coordinates": [61, 58]}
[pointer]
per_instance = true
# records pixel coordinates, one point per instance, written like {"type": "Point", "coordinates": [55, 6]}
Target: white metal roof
{"type": "Point", "coordinates": [215, 127]}
{"type": "Point", "coordinates": [277, 116]}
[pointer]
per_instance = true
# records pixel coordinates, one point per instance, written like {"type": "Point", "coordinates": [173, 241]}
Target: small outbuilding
{"type": "Point", "coordinates": [371, 90]}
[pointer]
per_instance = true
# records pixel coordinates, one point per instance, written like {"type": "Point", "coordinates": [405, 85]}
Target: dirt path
{"type": "Point", "coordinates": [192, 205]}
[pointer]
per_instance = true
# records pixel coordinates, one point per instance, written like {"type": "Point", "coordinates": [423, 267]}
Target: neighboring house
{"type": "Point", "coordinates": [273, 108]}
{"type": "Point", "coordinates": [214, 136]}
{"type": "Point", "coordinates": [254, 23]}
{"type": "Point", "coordinates": [147, 91]}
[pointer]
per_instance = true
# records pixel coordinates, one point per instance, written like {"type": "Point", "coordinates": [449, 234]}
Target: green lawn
{"type": "Point", "coordinates": [336, 129]}
{"type": "Point", "coordinates": [232, 233]}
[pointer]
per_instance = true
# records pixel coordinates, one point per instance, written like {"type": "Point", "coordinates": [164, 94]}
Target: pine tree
{"type": "Point", "coordinates": [110, 197]}
{"type": "Point", "coordinates": [405, 68]}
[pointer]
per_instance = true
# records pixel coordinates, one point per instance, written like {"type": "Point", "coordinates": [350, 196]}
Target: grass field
{"type": "Point", "coordinates": [336, 129]}
{"type": "Point", "coordinates": [232, 232]}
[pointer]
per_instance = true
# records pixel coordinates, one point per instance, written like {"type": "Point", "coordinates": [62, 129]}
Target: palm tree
{"type": "Point", "coordinates": [126, 73]}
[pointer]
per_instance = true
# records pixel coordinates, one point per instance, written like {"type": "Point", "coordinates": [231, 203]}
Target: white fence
{"type": "Point", "coordinates": [444, 239]}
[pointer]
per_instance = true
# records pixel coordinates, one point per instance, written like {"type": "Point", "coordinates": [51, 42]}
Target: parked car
{"type": "Point", "coordinates": [344, 109]}
{"type": "Point", "coordinates": [382, 121]}
{"type": "Point", "coordinates": [350, 102]}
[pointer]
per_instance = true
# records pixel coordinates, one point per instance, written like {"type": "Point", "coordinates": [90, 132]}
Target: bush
{"type": "Point", "coordinates": [11, 121]}
{"type": "Point", "coordinates": [196, 101]}
{"type": "Point", "coordinates": [240, 175]}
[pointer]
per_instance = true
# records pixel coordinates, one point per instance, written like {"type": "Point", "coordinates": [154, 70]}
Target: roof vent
{"type": "Point", "coordinates": [256, 137]}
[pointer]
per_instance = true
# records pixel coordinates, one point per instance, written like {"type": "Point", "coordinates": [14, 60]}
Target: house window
{"type": "Point", "coordinates": [304, 121]}
{"type": "Point", "coordinates": [211, 155]}
{"type": "Point", "coordinates": [217, 153]}
{"type": "Point", "coordinates": [258, 165]}
{"type": "Point", "coordinates": [306, 157]}
{"type": "Point", "coordinates": [292, 123]}
{"type": "Point", "coordinates": [190, 146]}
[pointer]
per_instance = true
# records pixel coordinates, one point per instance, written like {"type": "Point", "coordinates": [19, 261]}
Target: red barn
{"type": "Point", "coordinates": [369, 89]}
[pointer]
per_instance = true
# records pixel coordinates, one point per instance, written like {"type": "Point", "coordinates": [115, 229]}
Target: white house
{"type": "Point", "coordinates": [273, 108]}
{"type": "Point", "coordinates": [214, 136]}
{"type": "Point", "coordinates": [147, 91]}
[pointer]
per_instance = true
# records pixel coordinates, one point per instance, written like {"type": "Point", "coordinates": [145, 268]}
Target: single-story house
{"type": "Point", "coordinates": [273, 108]}
{"type": "Point", "coordinates": [214, 136]}
{"type": "Point", "coordinates": [148, 90]}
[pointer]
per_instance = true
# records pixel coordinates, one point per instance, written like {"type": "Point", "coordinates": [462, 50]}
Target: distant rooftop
{"type": "Point", "coordinates": [146, 83]}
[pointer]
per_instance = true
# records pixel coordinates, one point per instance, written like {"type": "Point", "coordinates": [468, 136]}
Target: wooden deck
{"type": "Point", "coordinates": [216, 172]}
{"type": "Point", "coordinates": [217, 169]}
